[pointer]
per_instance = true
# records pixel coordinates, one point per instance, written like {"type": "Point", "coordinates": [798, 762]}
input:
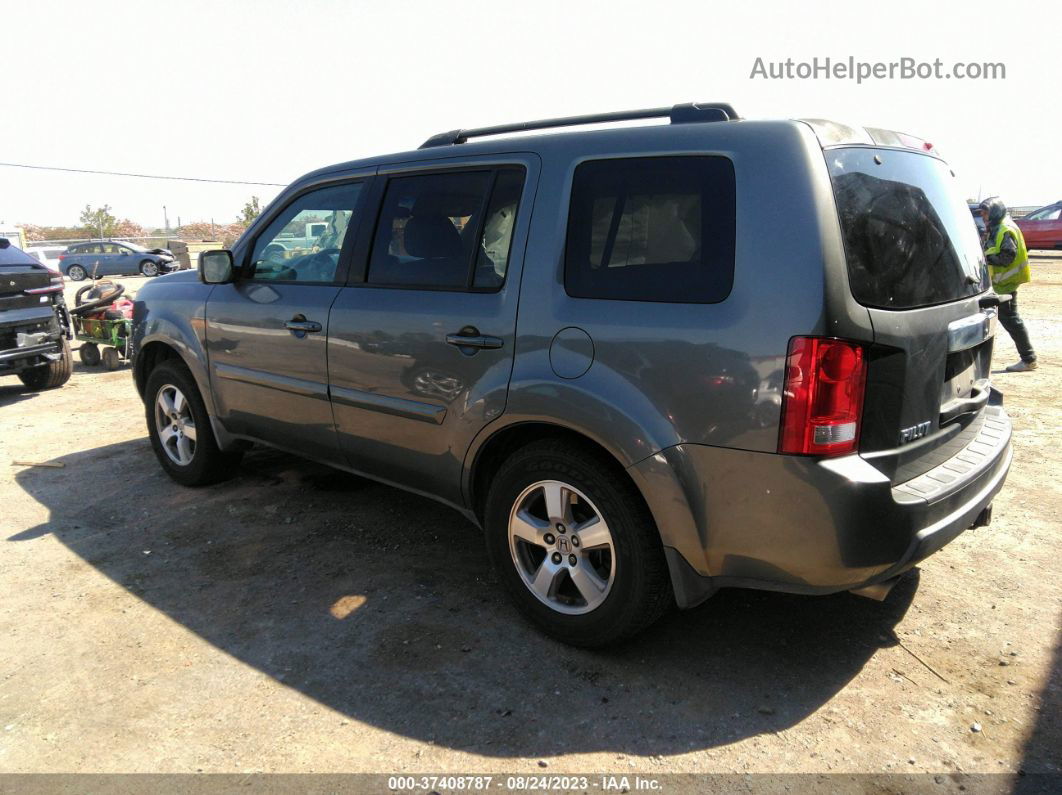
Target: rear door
{"type": "Point", "coordinates": [915, 262]}
{"type": "Point", "coordinates": [421, 342]}
{"type": "Point", "coordinates": [90, 257]}
{"type": "Point", "coordinates": [266, 332]}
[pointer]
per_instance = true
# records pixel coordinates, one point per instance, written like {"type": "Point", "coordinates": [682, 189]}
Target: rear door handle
{"type": "Point", "coordinates": [301, 326]}
{"type": "Point", "coordinates": [478, 341]}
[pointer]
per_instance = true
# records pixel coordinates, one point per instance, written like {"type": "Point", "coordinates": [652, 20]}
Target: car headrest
{"type": "Point", "coordinates": [432, 236]}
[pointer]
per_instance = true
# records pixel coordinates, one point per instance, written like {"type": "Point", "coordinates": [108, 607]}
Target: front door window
{"type": "Point", "coordinates": [304, 242]}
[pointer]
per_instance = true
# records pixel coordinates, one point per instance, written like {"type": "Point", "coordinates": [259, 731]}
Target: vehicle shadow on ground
{"type": "Point", "coordinates": [14, 392]}
{"type": "Point", "coordinates": [1041, 756]}
{"type": "Point", "coordinates": [83, 369]}
{"type": "Point", "coordinates": [379, 604]}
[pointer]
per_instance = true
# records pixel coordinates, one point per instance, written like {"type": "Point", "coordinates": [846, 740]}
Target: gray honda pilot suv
{"type": "Point", "coordinates": [649, 362]}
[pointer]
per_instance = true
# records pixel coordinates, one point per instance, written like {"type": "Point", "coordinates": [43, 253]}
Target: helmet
{"type": "Point", "coordinates": [996, 209]}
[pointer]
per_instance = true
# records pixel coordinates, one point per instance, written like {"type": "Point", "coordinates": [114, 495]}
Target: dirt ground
{"type": "Point", "coordinates": [297, 619]}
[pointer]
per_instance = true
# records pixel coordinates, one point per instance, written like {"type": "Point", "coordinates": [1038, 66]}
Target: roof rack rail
{"type": "Point", "coordinates": [686, 113]}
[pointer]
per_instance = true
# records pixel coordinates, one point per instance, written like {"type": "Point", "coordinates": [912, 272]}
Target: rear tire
{"type": "Point", "coordinates": [51, 375]}
{"type": "Point", "coordinates": [169, 420]}
{"type": "Point", "coordinates": [90, 354]}
{"type": "Point", "coordinates": [76, 273]}
{"type": "Point", "coordinates": [627, 562]}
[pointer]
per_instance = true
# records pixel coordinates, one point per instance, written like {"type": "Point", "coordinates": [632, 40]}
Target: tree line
{"type": "Point", "coordinates": [100, 221]}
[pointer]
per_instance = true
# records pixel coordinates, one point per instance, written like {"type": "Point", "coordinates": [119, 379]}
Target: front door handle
{"type": "Point", "coordinates": [300, 326]}
{"type": "Point", "coordinates": [473, 341]}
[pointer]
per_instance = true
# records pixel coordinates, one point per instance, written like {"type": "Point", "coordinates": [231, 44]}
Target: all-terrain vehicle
{"type": "Point", "coordinates": [103, 321]}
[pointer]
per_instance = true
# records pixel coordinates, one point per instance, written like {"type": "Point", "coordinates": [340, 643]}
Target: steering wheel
{"type": "Point", "coordinates": [320, 266]}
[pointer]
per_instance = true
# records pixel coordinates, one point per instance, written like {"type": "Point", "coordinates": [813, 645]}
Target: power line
{"type": "Point", "coordinates": [142, 176]}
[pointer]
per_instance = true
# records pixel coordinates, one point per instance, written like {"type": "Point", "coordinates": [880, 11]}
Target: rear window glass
{"type": "Point", "coordinates": [652, 229]}
{"type": "Point", "coordinates": [908, 235]}
{"type": "Point", "coordinates": [447, 231]}
{"type": "Point", "coordinates": [11, 254]}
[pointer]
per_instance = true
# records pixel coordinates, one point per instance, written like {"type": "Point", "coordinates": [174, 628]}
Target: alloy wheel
{"type": "Point", "coordinates": [175, 424]}
{"type": "Point", "coordinates": [562, 547]}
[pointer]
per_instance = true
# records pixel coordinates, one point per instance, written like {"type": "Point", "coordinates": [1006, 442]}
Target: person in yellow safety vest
{"type": "Point", "coordinates": [1008, 265]}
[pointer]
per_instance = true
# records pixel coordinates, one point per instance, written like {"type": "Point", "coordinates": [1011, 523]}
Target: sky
{"type": "Point", "coordinates": [266, 91]}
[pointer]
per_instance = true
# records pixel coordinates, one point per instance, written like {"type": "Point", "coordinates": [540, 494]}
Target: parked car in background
{"type": "Point", "coordinates": [649, 362]}
{"type": "Point", "coordinates": [1042, 228]}
{"type": "Point", "coordinates": [114, 258]}
{"type": "Point", "coordinates": [47, 255]}
{"type": "Point", "coordinates": [34, 323]}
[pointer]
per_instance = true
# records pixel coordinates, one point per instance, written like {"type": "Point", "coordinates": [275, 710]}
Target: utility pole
{"type": "Point", "coordinates": [212, 235]}
{"type": "Point", "coordinates": [165, 218]}
{"type": "Point", "coordinates": [99, 221]}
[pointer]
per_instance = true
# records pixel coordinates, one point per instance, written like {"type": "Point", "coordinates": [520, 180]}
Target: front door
{"type": "Point", "coordinates": [266, 332]}
{"type": "Point", "coordinates": [126, 261]}
{"type": "Point", "coordinates": [421, 347]}
{"type": "Point", "coordinates": [112, 263]}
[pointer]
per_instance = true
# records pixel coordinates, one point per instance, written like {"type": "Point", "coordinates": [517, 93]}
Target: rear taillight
{"type": "Point", "coordinates": [62, 257]}
{"type": "Point", "coordinates": [823, 396]}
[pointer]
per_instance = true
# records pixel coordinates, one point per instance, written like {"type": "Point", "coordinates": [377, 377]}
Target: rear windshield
{"type": "Point", "coordinates": [10, 254]}
{"type": "Point", "coordinates": [908, 235]}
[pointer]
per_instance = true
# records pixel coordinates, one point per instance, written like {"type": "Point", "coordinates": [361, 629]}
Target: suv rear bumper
{"type": "Point", "coordinates": [806, 525]}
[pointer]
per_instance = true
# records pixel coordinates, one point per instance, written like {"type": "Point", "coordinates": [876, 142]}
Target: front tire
{"type": "Point", "coordinates": [76, 273]}
{"type": "Point", "coordinates": [574, 544]}
{"type": "Point", "coordinates": [180, 430]}
{"type": "Point", "coordinates": [149, 268]}
{"type": "Point", "coordinates": [51, 375]}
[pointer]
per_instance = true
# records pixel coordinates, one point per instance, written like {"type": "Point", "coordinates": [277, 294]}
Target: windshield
{"type": "Point", "coordinates": [134, 246]}
{"type": "Point", "coordinates": [909, 238]}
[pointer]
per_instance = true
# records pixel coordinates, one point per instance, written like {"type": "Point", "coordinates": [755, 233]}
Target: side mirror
{"type": "Point", "coordinates": [216, 267]}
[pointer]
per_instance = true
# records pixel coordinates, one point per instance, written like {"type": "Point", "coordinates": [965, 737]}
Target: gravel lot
{"type": "Point", "coordinates": [299, 619]}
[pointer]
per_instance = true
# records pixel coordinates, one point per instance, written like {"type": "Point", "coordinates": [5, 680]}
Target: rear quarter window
{"type": "Point", "coordinates": [652, 229]}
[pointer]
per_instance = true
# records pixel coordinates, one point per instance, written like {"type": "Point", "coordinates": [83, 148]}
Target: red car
{"type": "Point", "coordinates": [1042, 228]}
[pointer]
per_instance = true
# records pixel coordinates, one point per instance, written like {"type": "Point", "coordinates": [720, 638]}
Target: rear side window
{"type": "Point", "coordinates": [449, 231]}
{"type": "Point", "coordinates": [492, 258]}
{"type": "Point", "coordinates": [907, 232]}
{"type": "Point", "coordinates": [652, 229]}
